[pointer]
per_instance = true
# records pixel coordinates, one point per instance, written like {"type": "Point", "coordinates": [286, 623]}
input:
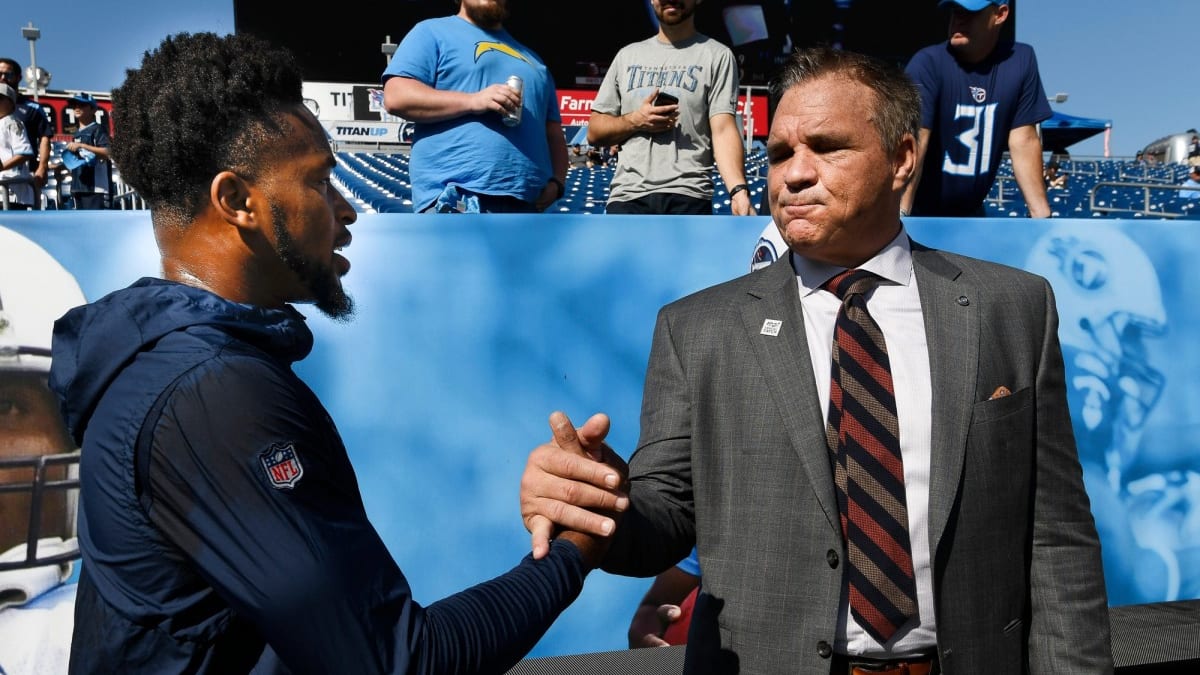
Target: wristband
{"type": "Point", "coordinates": [740, 187]}
{"type": "Point", "coordinates": [561, 189]}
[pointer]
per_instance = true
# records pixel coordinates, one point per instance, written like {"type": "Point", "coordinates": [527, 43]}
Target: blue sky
{"type": "Point", "coordinates": [1130, 62]}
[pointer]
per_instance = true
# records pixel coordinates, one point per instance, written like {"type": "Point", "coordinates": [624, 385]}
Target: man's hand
{"type": "Point", "coordinates": [741, 205]}
{"type": "Point", "coordinates": [649, 623]}
{"type": "Point", "coordinates": [565, 478]}
{"type": "Point", "coordinates": [498, 98]}
{"type": "Point", "coordinates": [548, 196]}
{"type": "Point", "coordinates": [652, 118]}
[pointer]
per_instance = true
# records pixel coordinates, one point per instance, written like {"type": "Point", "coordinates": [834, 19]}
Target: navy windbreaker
{"type": "Point", "coordinates": [220, 520]}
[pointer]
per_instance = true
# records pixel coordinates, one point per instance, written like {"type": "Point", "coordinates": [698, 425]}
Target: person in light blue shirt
{"type": "Point", "coordinates": [448, 76]}
{"type": "Point", "coordinates": [1192, 182]}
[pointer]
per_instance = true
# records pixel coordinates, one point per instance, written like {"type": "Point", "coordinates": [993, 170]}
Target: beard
{"type": "Point", "coordinates": [684, 15]}
{"type": "Point", "coordinates": [490, 16]}
{"type": "Point", "coordinates": [323, 284]}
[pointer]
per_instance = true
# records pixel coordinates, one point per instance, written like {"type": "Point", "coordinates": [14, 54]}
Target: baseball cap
{"type": "Point", "coordinates": [83, 98]}
{"type": "Point", "coordinates": [972, 5]}
{"type": "Point", "coordinates": [8, 92]}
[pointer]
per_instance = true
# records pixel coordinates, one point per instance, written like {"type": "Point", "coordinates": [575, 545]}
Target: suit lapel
{"type": "Point", "coordinates": [951, 315]}
{"type": "Point", "coordinates": [787, 367]}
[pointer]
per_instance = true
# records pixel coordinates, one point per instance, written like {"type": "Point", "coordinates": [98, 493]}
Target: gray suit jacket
{"type": "Point", "coordinates": [733, 457]}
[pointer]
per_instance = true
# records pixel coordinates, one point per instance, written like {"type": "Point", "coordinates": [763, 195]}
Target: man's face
{"type": "Point", "coordinates": [9, 75]}
{"type": "Point", "coordinates": [86, 114]}
{"type": "Point", "coordinates": [833, 189]}
{"type": "Point", "coordinates": [309, 219]}
{"type": "Point", "coordinates": [486, 13]}
{"type": "Point", "coordinates": [968, 28]}
{"type": "Point", "coordinates": [30, 426]}
{"type": "Point", "coordinates": [673, 12]}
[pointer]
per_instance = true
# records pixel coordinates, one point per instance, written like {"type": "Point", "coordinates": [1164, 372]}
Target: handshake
{"type": "Point", "coordinates": [575, 488]}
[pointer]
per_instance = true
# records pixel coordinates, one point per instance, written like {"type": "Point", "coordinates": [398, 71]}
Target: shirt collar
{"type": "Point", "coordinates": [893, 262]}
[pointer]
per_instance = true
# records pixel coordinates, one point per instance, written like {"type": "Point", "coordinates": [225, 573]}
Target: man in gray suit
{"type": "Point", "coordinates": [734, 456]}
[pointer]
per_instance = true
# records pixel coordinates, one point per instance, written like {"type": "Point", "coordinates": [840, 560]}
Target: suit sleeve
{"type": "Point", "coordinates": [659, 529]}
{"type": "Point", "coordinates": [1069, 629]}
{"type": "Point", "coordinates": [294, 553]}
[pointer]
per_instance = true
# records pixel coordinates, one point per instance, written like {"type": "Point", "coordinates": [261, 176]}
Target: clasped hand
{"type": "Point", "coordinates": [575, 487]}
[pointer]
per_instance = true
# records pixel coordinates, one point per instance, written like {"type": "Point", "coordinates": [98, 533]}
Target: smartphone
{"type": "Point", "coordinates": [664, 98]}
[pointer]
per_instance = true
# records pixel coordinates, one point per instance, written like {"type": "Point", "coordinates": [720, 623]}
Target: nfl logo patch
{"type": "Point", "coordinates": [282, 465]}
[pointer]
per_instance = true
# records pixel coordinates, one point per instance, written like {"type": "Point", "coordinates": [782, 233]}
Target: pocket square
{"type": "Point", "coordinates": [1000, 392]}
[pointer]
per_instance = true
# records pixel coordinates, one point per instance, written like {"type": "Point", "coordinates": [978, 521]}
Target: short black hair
{"type": "Point", "coordinates": [199, 104]}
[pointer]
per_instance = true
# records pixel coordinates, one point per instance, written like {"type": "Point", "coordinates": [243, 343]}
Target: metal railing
{"type": "Point", "coordinates": [6, 198]}
{"type": "Point", "coordinates": [126, 198]}
{"type": "Point", "coordinates": [1145, 188]}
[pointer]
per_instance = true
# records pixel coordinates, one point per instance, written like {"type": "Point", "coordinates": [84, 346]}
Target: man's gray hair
{"type": "Point", "coordinates": [896, 110]}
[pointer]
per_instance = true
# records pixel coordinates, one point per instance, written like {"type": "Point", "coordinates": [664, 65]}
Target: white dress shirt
{"type": "Point", "coordinates": [896, 307]}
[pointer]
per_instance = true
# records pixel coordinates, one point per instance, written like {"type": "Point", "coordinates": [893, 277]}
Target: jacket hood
{"type": "Point", "coordinates": [93, 343]}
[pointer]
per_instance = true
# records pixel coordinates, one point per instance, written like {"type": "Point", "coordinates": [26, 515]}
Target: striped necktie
{"type": "Point", "coordinates": [864, 439]}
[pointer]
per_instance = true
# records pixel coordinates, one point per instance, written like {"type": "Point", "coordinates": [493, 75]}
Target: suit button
{"type": "Point", "coordinates": [831, 557]}
{"type": "Point", "coordinates": [824, 650]}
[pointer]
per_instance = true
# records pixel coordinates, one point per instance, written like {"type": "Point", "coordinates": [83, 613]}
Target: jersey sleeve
{"type": "Point", "coordinates": [690, 564]}
{"type": "Point", "coordinates": [921, 69]}
{"type": "Point", "coordinates": [36, 124]}
{"type": "Point", "coordinates": [247, 476]}
{"type": "Point", "coordinates": [1033, 106]}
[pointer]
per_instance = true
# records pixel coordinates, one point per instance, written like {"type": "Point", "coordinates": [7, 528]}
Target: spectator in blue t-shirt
{"type": "Point", "coordinates": [979, 96]}
{"type": "Point", "coordinates": [448, 76]}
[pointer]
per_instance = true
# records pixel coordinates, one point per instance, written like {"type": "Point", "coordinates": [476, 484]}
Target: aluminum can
{"type": "Point", "coordinates": [513, 118]}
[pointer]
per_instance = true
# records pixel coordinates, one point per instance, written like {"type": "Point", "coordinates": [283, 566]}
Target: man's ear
{"type": "Point", "coordinates": [1001, 14]}
{"type": "Point", "coordinates": [230, 197]}
{"type": "Point", "coordinates": [905, 161]}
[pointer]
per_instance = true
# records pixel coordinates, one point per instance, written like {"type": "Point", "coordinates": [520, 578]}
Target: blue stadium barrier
{"type": "Point", "coordinates": [472, 329]}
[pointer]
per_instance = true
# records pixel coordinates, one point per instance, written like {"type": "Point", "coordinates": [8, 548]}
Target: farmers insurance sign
{"type": "Point", "coordinates": [575, 106]}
